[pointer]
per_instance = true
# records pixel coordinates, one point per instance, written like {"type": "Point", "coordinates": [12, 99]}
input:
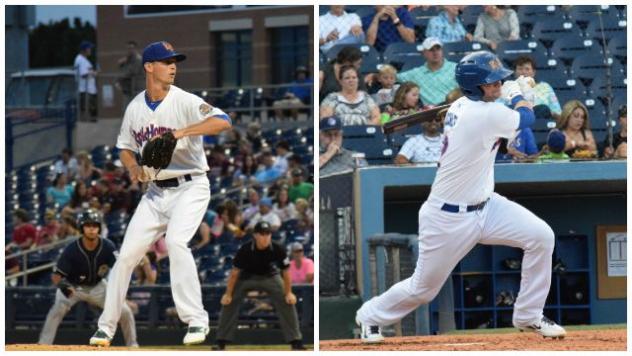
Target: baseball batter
{"type": "Point", "coordinates": [80, 277]}
{"type": "Point", "coordinates": [177, 196]}
{"type": "Point", "coordinates": [463, 210]}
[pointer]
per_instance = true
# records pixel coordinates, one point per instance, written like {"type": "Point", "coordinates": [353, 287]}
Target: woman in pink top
{"type": "Point", "coordinates": [301, 267]}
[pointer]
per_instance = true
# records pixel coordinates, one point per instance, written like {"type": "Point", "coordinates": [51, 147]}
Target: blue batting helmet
{"type": "Point", "coordinates": [478, 68]}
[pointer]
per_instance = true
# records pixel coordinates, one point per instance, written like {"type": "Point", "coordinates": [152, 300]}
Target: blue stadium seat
{"type": "Point", "coordinates": [375, 150]}
{"type": "Point", "coordinates": [617, 103]}
{"type": "Point", "coordinates": [599, 86]}
{"type": "Point", "coordinates": [364, 11]}
{"type": "Point", "coordinates": [529, 15]}
{"type": "Point", "coordinates": [596, 113]}
{"type": "Point", "coordinates": [463, 48]}
{"type": "Point", "coordinates": [591, 66]}
{"type": "Point", "coordinates": [420, 18]}
{"type": "Point", "coordinates": [399, 52]}
{"type": "Point", "coordinates": [618, 47]}
{"type": "Point", "coordinates": [470, 15]}
{"type": "Point", "coordinates": [322, 10]}
{"type": "Point", "coordinates": [508, 51]}
{"type": "Point", "coordinates": [362, 131]}
{"type": "Point", "coordinates": [568, 47]}
{"type": "Point", "coordinates": [549, 32]}
{"type": "Point", "coordinates": [369, 54]}
{"type": "Point", "coordinates": [612, 26]}
{"type": "Point", "coordinates": [584, 14]}
{"type": "Point", "coordinates": [412, 63]}
{"type": "Point", "coordinates": [565, 88]}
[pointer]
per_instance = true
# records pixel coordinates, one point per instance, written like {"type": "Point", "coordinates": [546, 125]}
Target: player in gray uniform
{"type": "Point", "coordinates": [79, 277]}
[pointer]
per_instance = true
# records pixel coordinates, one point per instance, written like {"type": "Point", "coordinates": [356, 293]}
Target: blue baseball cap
{"type": "Point", "coordinates": [159, 51]}
{"type": "Point", "coordinates": [85, 45]}
{"type": "Point", "coordinates": [266, 201]}
{"type": "Point", "coordinates": [556, 141]}
{"type": "Point", "coordinates": [330, 123]}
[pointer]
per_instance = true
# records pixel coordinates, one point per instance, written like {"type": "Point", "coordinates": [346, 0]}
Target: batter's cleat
{"type": "Point", "coordinates": [195, 335]}
{"type": "Point", "coordinates": [547, 328]}
{"type": "Point", "coordinates": [370, 334]}
{"type": "Point", "coordinates": [100, 338]}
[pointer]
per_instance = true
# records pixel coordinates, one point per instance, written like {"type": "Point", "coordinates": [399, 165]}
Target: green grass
{"type": "Point", "coordinates": [513, 330]}
{"type": "Point", "coordinates": [284, 347]}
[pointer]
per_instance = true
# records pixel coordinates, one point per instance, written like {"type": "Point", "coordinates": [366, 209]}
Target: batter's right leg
{"type": "Point", "coordinates": [55, 315]}
{"type": "Point", "coordinates": [444, 239]}
{"type": "Point", "coordinates": [144, 228]}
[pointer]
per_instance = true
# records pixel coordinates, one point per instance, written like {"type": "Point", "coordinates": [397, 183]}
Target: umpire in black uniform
{"type": "Point", "coordinates": [262, 265]}
{"type": "Point", "coordinates": [79, 277]}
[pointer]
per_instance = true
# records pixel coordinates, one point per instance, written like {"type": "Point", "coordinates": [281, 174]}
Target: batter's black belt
{"type": "Point", "coordinates": [172, 182]}
{"type": "Point", "coordinates": [455, 208]}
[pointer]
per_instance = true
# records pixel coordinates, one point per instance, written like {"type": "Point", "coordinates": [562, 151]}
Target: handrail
{"type": "Point", "coordinates": [42, 247]}
{"type": "Point", "coordinates": [31, 270]}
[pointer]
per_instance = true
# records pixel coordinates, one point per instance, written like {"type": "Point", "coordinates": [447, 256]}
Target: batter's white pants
{"type": "Point", "coordinates": [445, 238]}
{"type": "Point", "coordinates": [178, 212]}
{"type": "Point", "coordinates": [94, 295]}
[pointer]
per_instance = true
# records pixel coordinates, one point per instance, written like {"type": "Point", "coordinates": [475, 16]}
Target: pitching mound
{"type": "Point", "coordinates": [584, 340]}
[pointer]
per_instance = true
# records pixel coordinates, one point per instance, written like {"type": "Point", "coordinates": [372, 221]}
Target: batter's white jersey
{"type": "Point", "coordinates": [177, 110]}
{"type": "Point", "coordinates": [472, 135]}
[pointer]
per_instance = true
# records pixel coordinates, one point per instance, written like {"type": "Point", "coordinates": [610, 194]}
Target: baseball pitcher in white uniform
{"type": "Point", "coordinates": [463, 210]}
{"type": "Point", "coordinates": [177, 196]}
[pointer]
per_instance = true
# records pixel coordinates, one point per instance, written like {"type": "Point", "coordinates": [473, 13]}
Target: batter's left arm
{"type": "Point", "coordinates": [209, 127]}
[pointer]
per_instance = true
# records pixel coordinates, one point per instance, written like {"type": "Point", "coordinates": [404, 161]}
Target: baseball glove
{"type": "Point", "coordinates": [157, 152]}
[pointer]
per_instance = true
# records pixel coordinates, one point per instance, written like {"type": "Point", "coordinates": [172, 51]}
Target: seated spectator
{"type": "Point", "coordinates": [283, 207]}
{"type": "Point", "coordinates": [305, 213]}
{"type": "Point", "coordinates": [407, 101]}
{"type": "Point", "coordinates": [232, 219]}
{"type": "Point", "coordinates": [219, 162]}
{"type": "Point", "coordinates": [24, 232]}
{"type": "Point", "coordinates": [146, 272]}
{"type": "Point", "coordinates": [296, 96]}
{"type": "Point", "coordinates": [543, 92]}
{"type": "Point", "coordinates": [300, 188]}
{"type": "Point", "coordinates": [383, 91]}
{"type": "Point", "coordinates": [352, 106]}
{"type": "Point", "coordinates": [425, 147]}
{"type": "Point", "coordinates": [68, 227]}
{"type": "Point", "coordinates": [67, 164]}
{"type": "Point", "coordinates": [269, 172]}
{"type": "Point", "coordinates": [253, 135]}
{"type": "Point", "coordinates": [554, 149]}
{"type": "Point", "coordinates": [619, 146]}
{"type": "Point", "coordinates": [388, 24]}
{"type": "Point", "coordinates": [48, 233]}
{"type": "Point", "coordinates": [495, 25]}
{"type": "Point", "coordinates": [436, 77]}
{"type": "Point", "coordinates": [301, 267]}
{"type": "Point", "coordinates": [447, 26]}
{"type": "Point", "coordinates": [247, 169]}
{"type": "Point", "coordinates": [86, 171]}
{"type": "Point", "coordinates": [283, 152]}
{"type": "Point", "coordinates": [575, 124]}
{"type": "Point", "coordinates": [333, 157]}
{"type": "Point", "coordinates": [339, 27]}
{"type": "Point", "coordinates": [59, 193]}
{"type": "Point", "coordinates": [80, 197]}
{"type": "Point", "coordinates": [252, 207]}
{"type": "Point", "coordinates": [119, 199]}
{"type": "Point", "coordinates": [328, 81]}
{"type": "Point", "coordinates": [265, 214]}
{"type": "Point", "coordinates": [522, 147]}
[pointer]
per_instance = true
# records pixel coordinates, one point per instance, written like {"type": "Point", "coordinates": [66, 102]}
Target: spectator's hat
{"type": "Point", "coordinates": [262, 227]}
{"type": "Point", "coordinates": [430, 42]}
{"type": "Point", "coordinates": [330, 123]}
{"type": "Point", "coordinates": [556, 141]}
{"type": "Point", "coordinates": [266, 202]}
{"type": "Point", "coordinates": [160, 51]}
{"type": "Point", "coordinates": [85, 45]}
{"type": "Point", "coordinates": [297, 172]}
{"type": "Point", "coordinates": [296, 246]}
{"type": "Point", "coordinates": [300, 69]}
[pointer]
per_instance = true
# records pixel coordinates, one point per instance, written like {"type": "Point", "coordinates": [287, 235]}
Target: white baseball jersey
{"type": "Point", "coordinates": [87, 83]}
{"type": "Point", "coordinates": [342, 23]}
{"type": "Point", "coordinates": [421, 148]}
{"type": "Point", "coordinates": [177, 110]}
{"type": "Point", "coordinates": [472, 135]}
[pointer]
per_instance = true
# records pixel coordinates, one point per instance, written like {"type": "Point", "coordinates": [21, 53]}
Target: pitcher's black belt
{"type": "Point", "coordinates": [172, 182]}
{"type": "Point", "coordinates": [455, 208]}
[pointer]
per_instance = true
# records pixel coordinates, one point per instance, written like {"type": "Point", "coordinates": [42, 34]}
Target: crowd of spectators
{"type": "Point", "coordinates": [356, 94]}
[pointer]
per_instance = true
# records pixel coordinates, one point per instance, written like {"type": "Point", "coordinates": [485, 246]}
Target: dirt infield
{"type": "Point", "coordinates": [580, 340]}
{"type": "Point", "coordinates": [178, 348]}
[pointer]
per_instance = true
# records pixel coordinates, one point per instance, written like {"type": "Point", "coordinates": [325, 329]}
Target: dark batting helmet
{"type": "Point", "coordinates": [479, 68]}
{"type": "Point", "coordinates": [89, 216]}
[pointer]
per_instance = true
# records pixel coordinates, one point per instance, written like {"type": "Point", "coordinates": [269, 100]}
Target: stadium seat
{"type": "Point", "coordinates": [470, 15]}
{"type": "Point", "coordinates": [618, 47]}
{"type": "Point", "coordinates": [400, 51]}
{"type": "Point", "coordinates": [565, 88]}
{"type": "Point", "coordinates": [582, 15]}
{"type": "Point", "coordinates": [362, 131]}
{"type": "Point", "coordinates": [568, 47]}
{"type": "Point", "coordinates": [549, 32]}
{"type": "Point", "coordinates": [420, 18]}
{"type": "Point", "coordinates": [376, 151]}
{"type": "Point", "coordinates": [590, 66]}
{"type": "Point", "coordinates": [508, 51]}
{"type": "Point", "coordinates": [596, 114]}
{"type": "Point", "coordinates": [463, 48]}
{"type": "Point", "coordinates": [412, 63]}
{"type": "Point", "coordinates": [612, 26]}
{"type": "Point", "coordinates": [364, 10]}
{"type": "Point", "coordinates": [369, 54]}
{"type": "Point", "coordinates": [529, 15]}
{"type": "Point", "coordinates": [599, 86]}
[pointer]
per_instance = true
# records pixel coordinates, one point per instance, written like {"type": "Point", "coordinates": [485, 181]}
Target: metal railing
{"type": "Point", "coordinates": [25, 254]}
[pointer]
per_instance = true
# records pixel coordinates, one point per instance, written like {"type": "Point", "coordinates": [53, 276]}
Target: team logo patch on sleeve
{"type": "Point", "coordinates": [205, 109]}
{"type": "Point", "coordinates": [103, 270]}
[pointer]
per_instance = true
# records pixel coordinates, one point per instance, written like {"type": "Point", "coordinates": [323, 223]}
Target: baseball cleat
{"type": "Point", "coordinates": [370, 334]}
{"type": "Point", "coordinates": [195, 335]}
{"type": "Point", "coordinates": [100, 338]}
{"type": "Point", "coordinates": [547, 328]}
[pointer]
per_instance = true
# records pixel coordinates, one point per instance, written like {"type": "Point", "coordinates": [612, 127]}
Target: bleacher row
{"type": "Point", "coordinates": [26, 188]}
{"type": "Point", "coordinates": [566, 44]}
